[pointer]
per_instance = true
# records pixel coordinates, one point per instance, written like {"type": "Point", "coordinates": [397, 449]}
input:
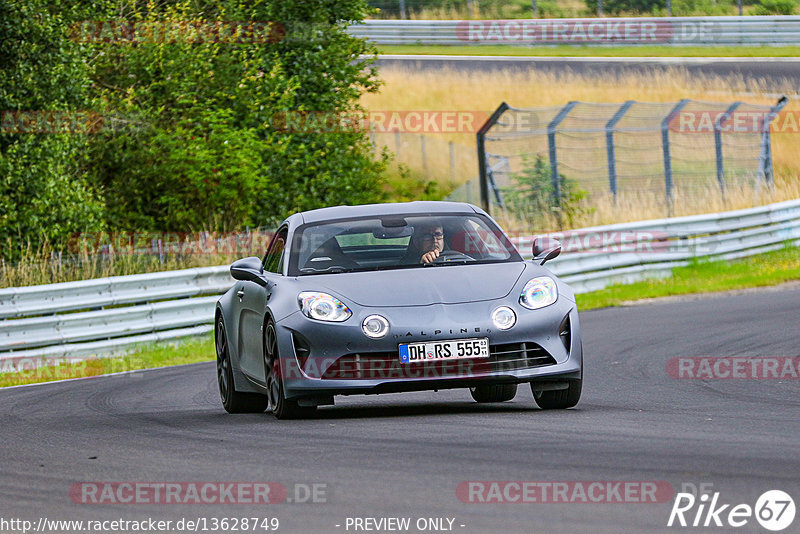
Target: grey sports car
{"type": "Point", "coordinates": [390, 298]}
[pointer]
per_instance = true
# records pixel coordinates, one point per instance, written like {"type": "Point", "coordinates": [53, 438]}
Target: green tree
{"type": "Point", "coordinates": [203, 150]}
{"type": "Point", "coordinates": [44, 194]}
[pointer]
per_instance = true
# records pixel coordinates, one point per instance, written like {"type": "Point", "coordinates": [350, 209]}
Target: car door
{"type": "Point", "coordinates": [253, 303]}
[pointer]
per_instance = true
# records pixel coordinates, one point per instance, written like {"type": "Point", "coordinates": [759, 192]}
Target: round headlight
{"type": "Point", "coordinates": [375, 326]}
{"type": "Point", "coordinates": [323, 307]}
{"type": "Point", "coordinates": [504, 317]}
{"type": "Point", "coordinates": [538, 293]}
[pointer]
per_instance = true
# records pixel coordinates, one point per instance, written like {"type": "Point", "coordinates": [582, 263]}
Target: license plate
{"type": "Point", "coordinates": [444, 350]}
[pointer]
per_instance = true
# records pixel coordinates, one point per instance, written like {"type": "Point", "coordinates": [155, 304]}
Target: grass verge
{"type": "Point", "coordinates": [767, 269]}
{"type": "Point", "coordinates": [594, 51]}
{"type": "Point", "coordinates": [702, 277]}
{"type": "Point", "coordinates": [148, 356]}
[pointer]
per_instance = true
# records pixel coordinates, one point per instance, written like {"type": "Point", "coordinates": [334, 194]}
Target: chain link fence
{"type": "Point", "coordinates": [665, 154]}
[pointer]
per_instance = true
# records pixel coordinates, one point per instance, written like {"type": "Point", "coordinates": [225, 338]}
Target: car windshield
{"type": "Point", "coordinates": [398, 242]}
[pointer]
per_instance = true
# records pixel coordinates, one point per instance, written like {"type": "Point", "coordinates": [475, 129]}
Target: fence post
{"type": "Point", "coordinates": [397, 143]}
{"type": "Point", "coordinates": [403, 9]}
{"type": "Point", "coordinates": [612, 163]}
{"type": "Point", "coordinates": [665, 147]}
{"type": "Point", "coordinates": [765, 159]}
{"type": "Point", "coordinates": [718, 145]}
{"type": "Point", "coordinates": [481, 138]}
{"type": "Point", "coordinates": [551, 146]}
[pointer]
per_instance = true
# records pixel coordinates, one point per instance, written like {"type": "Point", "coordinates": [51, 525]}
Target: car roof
{"type": "Point", "coordinates": [368, 210]}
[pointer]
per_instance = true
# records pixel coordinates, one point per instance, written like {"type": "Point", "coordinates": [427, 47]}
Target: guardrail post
{"type": "Point", "coordinates": [551, 146]}
{"type": "Point", "coordinates": [665, 147]}
{"type": "Point", "coordinates": [482, 163]}
{"type": "Point", "coordinates": [765, 159]}
{"type": "Point", "coordinates": [612, 163]}
{"type": "Point", "coordinates": [718, 145]}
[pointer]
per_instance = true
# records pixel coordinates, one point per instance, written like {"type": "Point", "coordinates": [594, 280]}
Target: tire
{"type": "Point", "coordinates": [281, 407]}
{"type": "Point", "coordinates": [495, 393]}
{"type": "Point", "coordinates": [559, 399]}
{"type": "Point", "coordinates": [233, 401]}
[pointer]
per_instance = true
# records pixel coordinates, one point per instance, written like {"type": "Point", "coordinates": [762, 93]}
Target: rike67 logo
{"type": "Point", "coordinates": [774, 510]}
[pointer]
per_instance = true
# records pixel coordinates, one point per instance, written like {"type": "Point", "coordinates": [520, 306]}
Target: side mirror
{"type": "Point", "coordinates": [248, 269]}
{"type": "Point", "coordinates": [545, 248]}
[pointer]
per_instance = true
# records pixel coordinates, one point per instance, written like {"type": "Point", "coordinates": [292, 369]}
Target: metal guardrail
{"type": "Point", "coordinates": [749, 31]}
{"type": "Point", "coordinates": [73, 320]}
{"type": "Point", "coordinates": [105, 315]}
{"type": "Point", "coordinates": [627, 252]}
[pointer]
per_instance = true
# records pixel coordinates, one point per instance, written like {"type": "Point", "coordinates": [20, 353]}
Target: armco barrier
{"type": "Point", "coordinates": [674, 242]}
{"type": "Point", "coordinates": [747, 31]}
{"type": "Point", "coordinates": [103, 316]}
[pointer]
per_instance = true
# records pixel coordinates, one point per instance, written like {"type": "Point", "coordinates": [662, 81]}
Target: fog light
{"type": "Point", "coordinates": [504, 317]}
{"type": "Point", "coordinates": [375, 326]}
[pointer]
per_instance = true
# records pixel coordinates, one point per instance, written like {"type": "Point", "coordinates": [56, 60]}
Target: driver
{"type": "Point", "coordinates": [431, 242]}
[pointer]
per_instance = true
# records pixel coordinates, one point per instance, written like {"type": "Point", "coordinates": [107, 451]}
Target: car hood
{"type": "Point", "coordinates": [423, 286]}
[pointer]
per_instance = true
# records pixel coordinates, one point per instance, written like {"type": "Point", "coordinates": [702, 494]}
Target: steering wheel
{"type": "Point", "coordinates": [452, 255]}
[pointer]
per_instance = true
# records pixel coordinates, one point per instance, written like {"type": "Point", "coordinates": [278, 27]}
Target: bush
{"type": "Point", "coordinates": [533, 197]}
{"type": "Point", "coordinates": [616, 7]}
{"type": "Point", "coordinates": [209, 155]}
{"type": "Point", "coordinates": [44, 194]}
{"type": "Point", "coordinates": [776, 7]}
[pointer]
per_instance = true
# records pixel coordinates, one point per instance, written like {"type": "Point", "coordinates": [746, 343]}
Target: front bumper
{"type": "Point", "coordinates": [325, 359]}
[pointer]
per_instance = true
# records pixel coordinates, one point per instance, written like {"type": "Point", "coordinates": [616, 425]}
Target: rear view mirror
{"type": "Point", "coordinates": [393, 232]}
{"type": "Point", "coordinates": [545, 249]}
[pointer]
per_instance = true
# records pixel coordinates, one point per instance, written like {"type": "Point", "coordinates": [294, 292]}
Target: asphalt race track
{"type": "Point", "coordinates": [404, 455]}
{"type": "Point", "coordinates": [781, 72]}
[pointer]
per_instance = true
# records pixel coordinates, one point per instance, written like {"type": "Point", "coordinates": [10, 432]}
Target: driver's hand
{"type": "Point", "coordinates": [430, 256]}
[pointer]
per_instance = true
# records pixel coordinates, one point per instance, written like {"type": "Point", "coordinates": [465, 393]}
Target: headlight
{"type": "Point", "coordinates": [375, 326]}
{"type": "Point", "coordinates": [538, 293]}
{"type": "Point", "coordinates": [504, 317]}
{"type": "Point", "coordinates": [323, 307]}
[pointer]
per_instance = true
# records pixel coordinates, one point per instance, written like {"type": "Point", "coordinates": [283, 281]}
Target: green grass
{"type": "Point", "coordinates": [767, 269]}
{"type": "Point", "coordinates": [702, 277]}
{"type": "Point", "coordinates": [193, 350]}
{"type": "Point", "coordinates": [594, 51]}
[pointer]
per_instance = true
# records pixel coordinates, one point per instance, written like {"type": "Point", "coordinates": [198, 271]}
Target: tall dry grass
{"type": "Point", "coordinates": [49, 263]}
{"type": "Point", "coordinates": [481, 91]}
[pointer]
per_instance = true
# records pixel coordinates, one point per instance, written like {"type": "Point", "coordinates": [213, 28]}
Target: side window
{"type": "Point", "coordinates": [273, 261]}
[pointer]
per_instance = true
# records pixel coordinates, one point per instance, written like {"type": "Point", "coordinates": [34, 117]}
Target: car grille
{"type": "Point", "coordinates": [383, 365]}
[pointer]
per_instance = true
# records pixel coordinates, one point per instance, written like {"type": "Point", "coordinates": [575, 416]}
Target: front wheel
{"type": "Point", "coordinates": [281, 407]}
{"type": "Point", "coordinates": [233, 401]}
{"type": "Point", "coordinates": [559, 399]}
{"type": "Point", "coordinates": [494, 393]}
